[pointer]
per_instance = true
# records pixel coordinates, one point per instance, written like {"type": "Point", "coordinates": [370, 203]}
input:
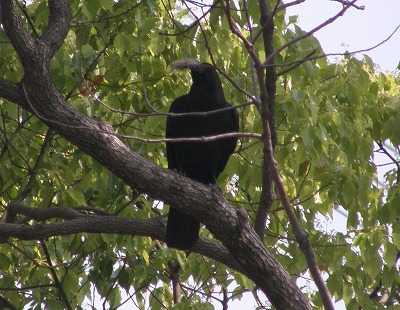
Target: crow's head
{"type": "Point", "coordinates": [204, 75]}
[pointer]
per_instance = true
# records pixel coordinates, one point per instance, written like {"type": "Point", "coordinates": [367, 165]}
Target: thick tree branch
{"type": "Point", "coordinates": [348, 53]}
{"type": "Point", "coordinates": [87, 224]}
{"type": "Point", "coordinates": [153, 228]}
{"type": "Point", "coordinates": [31, 49]}
{"type": "Point", "coordinates": [19, 38]}
{"type": "Point", "coordinates": [15, 208]}
{"type": "Point", "coordinates": [12, 92]}
{"type": "Point", "coordinates": [58, 25]}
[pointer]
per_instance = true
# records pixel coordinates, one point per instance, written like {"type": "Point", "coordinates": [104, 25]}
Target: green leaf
{"type": "Point", "coordinates": [372, 261]}
{"type": "Point", "coordinates": [124, 279]}
{"type": "Point", "coordinates": [349, 192]}
{"type": "Point", "coordinates": [5, 262]}
{"type": "Point", "coordinates": [77, 197]}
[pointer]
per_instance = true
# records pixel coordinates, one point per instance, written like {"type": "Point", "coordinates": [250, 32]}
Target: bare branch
{"type": "Point", "coordinates": [346, 2]}
{"type": "Point", "coordinates": [144, 90]}
{"type": "Point", "coordinates": [110, 132]}
{"type": "Point", "coordinates": [308, 58]}
{"type": "Point", "coordinates": [78, 223]}
{"type": "Point", "coordinates": [297, 63]}
{"type": "Point", "coordinates": [289, 4]}
{"type": "Point", "coordinates": [391, 157]}
{"type": "Point", "coordinates": [252, 70]}
{"type": "Point", "coordinates": [122, 112]}
{"type": "Point", "coordinates": [24, 11]}
{"type": "Point", "coordinates": [267, 84]}
{"type": "Point", "coordinates": [248, 45]}
{"type": "Point", "coordinates": [307, 34]}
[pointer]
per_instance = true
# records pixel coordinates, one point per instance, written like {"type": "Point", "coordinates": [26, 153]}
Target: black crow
{"type": "Point", "coordinates": [200, 161]}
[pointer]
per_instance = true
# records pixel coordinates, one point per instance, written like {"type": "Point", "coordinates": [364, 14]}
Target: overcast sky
{"type": "Point", "coordinates": [357, 29]}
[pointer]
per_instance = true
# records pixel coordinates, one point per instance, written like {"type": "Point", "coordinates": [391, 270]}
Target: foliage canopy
{"type": "Point", "coordinates": [114, 66]}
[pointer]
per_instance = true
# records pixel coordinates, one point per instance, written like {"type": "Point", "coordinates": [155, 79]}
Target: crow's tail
{"type": "Point", "coordinates": [182, 230]}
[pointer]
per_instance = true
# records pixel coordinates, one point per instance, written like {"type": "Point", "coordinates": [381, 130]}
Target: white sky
{"type": "Point", "coordinates": [357, 29]}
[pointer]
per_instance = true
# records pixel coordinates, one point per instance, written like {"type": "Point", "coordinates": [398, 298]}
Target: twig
{"type": "Point", "coordinates": [28, 19]}
{"type": "Point", "coordinates": [138, 115]}
{"type": "Point", "coordinates": [286, 5]}
{"type": "Point", "coordinates": [252, 69]}
{"type": "Point", "coordinates": [34, 171]}
{"type": "Point", "coordinates": [112, 133]}
{"type": "Point", "coordinates": [15, 208]}
{"type": "Point", "coordinates": [385, 151]}
{"type": "Point", "coordinates": [196, 21]}
{"type": "Point", "coordinates": [335, 54]}
{"type": "Point", "coordinates": [307, 34]}
{"type": "Point", "coordinates": [146, 97]}
{"type": "Point", "coordinates": [57, 283]}
{"type": "Point", "coordinates": [346, 2]}
{"type": "Point", "coordinates": [298, 63]}
{"type": "Point", "coordinates": [7, 141]}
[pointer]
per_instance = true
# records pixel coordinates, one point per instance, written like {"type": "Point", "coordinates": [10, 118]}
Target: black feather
{"type": "Point", "coordinates": [200, 161]}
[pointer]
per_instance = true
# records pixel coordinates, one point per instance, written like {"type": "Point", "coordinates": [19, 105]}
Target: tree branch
{"type": "Point", "coordinates": [22, 42]}
{"type": "Point", "coordinates": [58, 25]}
{"type": "Point", "coordinates": [15, 208]}
{"type": "Point", "coordinates": [309, 57]}
{"type": "Point", "coordinates": [269, 60]}
{"type": "Point", "coordinates": [34, 171]}
{"type": "Point", "coordinates": [12, 92]}
{"type": "Point", "coordinates": [268, 116]}
{"type": "Point", "coordinates": [77, 222]}
{"type": "Point", "coordinates": [57, 283]}
{"type": "Point", "coordinates": [286, 5]}
{"type": "Point", "coordinates": [346, 2]}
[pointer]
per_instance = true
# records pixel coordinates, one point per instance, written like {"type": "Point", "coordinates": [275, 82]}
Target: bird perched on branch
{"type": "Point", "coordinates": [200, 161]}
